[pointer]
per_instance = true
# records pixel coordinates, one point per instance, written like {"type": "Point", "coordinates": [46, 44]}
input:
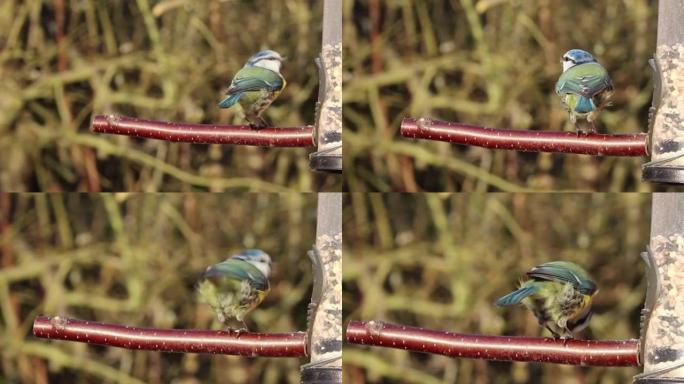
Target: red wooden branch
{"type": "Point", "coordinates": [172, 340]}
{"type": "Point", "coordinates": [501, 348]}
{"type": "Point", "coordinates": [635, 144]}
{"type": "Point", "coordinates": [204, 133]}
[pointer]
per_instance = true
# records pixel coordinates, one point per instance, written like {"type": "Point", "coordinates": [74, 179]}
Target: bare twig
{"type": "Point", "coordinates": [204, 133]}
{"type": "Point", "coordinates": [172, 340]}
{"type": "Point", "coordinates": [501, 348]}
{"type": "Point", "coordinates": [531, 141]}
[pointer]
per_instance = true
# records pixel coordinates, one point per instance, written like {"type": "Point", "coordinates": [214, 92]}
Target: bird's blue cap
{"type": "Point", "coordinates": [578, 56]}
{"type": "Point", "coordinates": [252, 254]}
{"type": "Point", "coordinates": [265, 54]}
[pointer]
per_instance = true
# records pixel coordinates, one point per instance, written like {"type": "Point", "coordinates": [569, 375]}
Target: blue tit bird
{"type": "Point", "coordinates": [256, 85]}
{"type": "Point", "coordinates": [584, 87]}
{"type": "Point", "coordinates": [559, 293]}
{"type": "Point", "coordinates": [236, 286]}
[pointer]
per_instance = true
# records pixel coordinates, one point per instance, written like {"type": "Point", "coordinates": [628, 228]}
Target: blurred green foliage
{"type": "Point", "coordinates": [62, 61]}
{"type": "Point", "coordinates": [441, 260]}
{"type": "Point", "coordinates": [134, 259]}
{"type": "Point", "coordinates": [491, 63]}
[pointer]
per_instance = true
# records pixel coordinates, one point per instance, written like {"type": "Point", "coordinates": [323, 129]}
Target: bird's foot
{"type": "Point", "coordinates": [258, 122]}
{"type": "Point", "coordinates": [243, 328]}
{"type": "Point", "coordinates": [236, 327]}
{"type": "Point", "coordinates": [256, 127]}
{"type": "Point", "coordinates": [585, 129]}
{"type": "Point", "coordinates": [563, 337]}
{"type": "Point", "coordinates": [237, 331]}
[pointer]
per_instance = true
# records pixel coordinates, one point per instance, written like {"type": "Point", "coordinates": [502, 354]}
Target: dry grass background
{"type": "Point", "coordinates": [440, 261]}
{"type": "Point", "coordinates": [492, 63]}
{"type": "Point", "coordinates": [61, 61]}
{"type": "Point", "coordinates": [134, 259]}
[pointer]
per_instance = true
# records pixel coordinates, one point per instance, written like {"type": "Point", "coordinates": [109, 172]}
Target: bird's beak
{"type": "Point", "coordinates": [283, 59]}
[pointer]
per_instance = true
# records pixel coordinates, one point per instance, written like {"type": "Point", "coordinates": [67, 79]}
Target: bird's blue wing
{"type": "Point", "coordinates": [516, 297]}
{"type": "Point", "coordinates": [230, 100]}
{"type": "Point", "coordinates": [565, 272]}
{"type": "Point", "coordinates": [586, 80]}
{"type": "Point", "coordinates": [255, 79]}
{"type": "Point", "coordinates": [237, 270]}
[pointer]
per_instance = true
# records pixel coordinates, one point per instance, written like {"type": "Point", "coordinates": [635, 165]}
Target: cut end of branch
{"type": "Point", "coordinates": [595, 144]}
{"type": "Point", "coordinates": [101, 124]}
{"type": "Point", "coordinates": [500, 348]}
{"type": "Point", "coordinates": [172, 340]}
{"type": "Point", "coordinates": [302, 136]}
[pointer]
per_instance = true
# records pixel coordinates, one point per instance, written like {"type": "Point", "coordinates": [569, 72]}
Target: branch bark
{"type": "Point", "coordinates": [500, 348]}
{"type": "Point", "coordinates": [530, 141]}
{"type": "Point", "coordinates": [204, 133]}
{"type": "Point", "coordinates": [172, 340]}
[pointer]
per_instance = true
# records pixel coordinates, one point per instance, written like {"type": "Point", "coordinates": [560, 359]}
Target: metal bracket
{"type": "Point", "coordinates": [652, 291]}
{"type": "Point", "coordinates": [659, 171]}
{"type": "Point", "coordinates": [654, 377]}
{"type": "Point", "coordinates": [321, 375]}
{"type": "Point", "coordinates": [318, 284]}
{"type": "Point", "coordinates": [657, 89]}
{"type": "Point", "coordinates": [326, 160]}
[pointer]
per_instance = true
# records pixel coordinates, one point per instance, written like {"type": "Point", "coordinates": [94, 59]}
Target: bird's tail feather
{"type": "Point", "coordinates": [230, 100]}
{"type": "Point", "coordinates": [516, 297]}
{"type": "Point", "coordinates": [585, 105]}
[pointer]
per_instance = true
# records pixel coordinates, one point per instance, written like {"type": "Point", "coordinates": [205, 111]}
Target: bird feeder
{"type": "Point", "coordinates": [325, 311]}
{"type": "Point", "coordinates": [667, 109]}
{"type": "Point", "coordinates": [329, 108]}
{"type": "Point", "coordinates": [662, 330]}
